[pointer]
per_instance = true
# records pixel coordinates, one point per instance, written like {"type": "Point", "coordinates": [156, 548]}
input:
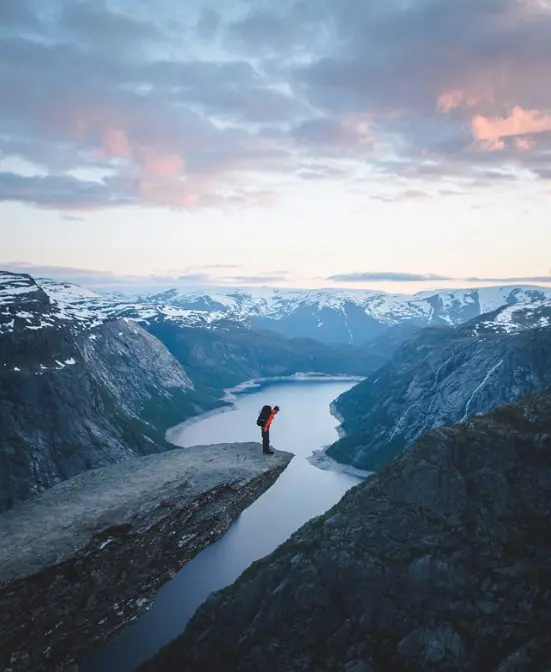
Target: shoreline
{"type": "Point", "coordinates": [230, 395]}
{"type": "Point", "coordinates": [321, 460]}
{"type": "Point", "coordinates": [318, 458]}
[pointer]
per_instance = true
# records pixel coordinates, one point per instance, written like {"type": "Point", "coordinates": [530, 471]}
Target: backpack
{"type": "Point", "coordinates": [263, 416]}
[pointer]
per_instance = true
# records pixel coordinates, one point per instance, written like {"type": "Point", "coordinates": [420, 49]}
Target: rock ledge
{"type": "Point", "coordinates": [79, 562]}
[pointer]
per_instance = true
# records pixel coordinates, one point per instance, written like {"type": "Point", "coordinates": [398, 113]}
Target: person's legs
{"type": "Point", "coordinates": [266, 441]}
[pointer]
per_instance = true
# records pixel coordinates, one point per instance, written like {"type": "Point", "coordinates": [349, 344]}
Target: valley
{"type": "Point", "coordinates": [440, 561]}
{"type": "Point", "coordinates": [275, 336]}
{"type": "Point", "coordinates": [300, 493]}
{"type": "Point", "coordinates": [90, 383]}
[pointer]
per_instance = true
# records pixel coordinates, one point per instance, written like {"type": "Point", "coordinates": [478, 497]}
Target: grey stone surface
{"type": "Point", "coordinates": [80, 561]}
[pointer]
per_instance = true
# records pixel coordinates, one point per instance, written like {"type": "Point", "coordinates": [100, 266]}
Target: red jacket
{"type": "Point", "coordinates": [269, 420]}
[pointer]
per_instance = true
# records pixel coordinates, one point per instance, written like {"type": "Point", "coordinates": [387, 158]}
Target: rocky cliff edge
{"type": "Point", "coordinates": [79, 562]}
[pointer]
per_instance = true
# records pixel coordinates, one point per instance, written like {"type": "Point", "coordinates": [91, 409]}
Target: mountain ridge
{"type": "Point", "coordinates": [438, 562]}
{"type": "Point", "coordinates": [442, 375]}
{"type": "Point", "coordinates": [328, 315]}
{"type": "Point", "coordinates": [343, 316]}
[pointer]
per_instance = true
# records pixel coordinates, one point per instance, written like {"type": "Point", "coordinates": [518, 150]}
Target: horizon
{"type": "Point", "coordinates": [215, 145]}
{"type": "Point", "coordinates": [98, 282]}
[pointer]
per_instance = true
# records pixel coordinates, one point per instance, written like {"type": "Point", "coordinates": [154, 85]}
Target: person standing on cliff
{"type": "Point", "coordinates": [265, 419]}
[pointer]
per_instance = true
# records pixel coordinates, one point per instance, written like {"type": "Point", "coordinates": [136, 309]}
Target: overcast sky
{"type": "Point", "coordinates": [394, 144]}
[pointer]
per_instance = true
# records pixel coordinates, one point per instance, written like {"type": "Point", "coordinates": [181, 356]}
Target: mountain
{"type": "Point", "coordinates": [221, 358]}
{"type": "Point", "coordinates": [78, 391]}
{"type": "Point", "coordinates": [514, 318]}
{"type": "Point", "coordinates": [342, 316]}
{"type": "Point", "coordinates": [87, 380]}
{"type": "Point", "coordinates": [217, 349]}
{"type": "Point", "coordinates": [79, 301]}
{"type": "Point", "coordinates": [330, 315]}
{"type": "Point", "coordinates": [441, 376]}
{"type": "Point", "coordinates": [438, 562]}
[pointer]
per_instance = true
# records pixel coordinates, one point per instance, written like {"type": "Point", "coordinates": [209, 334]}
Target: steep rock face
{"type": "Point", "coordinates": [440, 377]}
{"type": "Point", "coordinates": [227, 356]}
{"type": "Point", "coordinates": [79, 563]}
{"type": "Point", "coordinates": [438, 562]}
{"type": "Point", "coordinates": [78, 393]}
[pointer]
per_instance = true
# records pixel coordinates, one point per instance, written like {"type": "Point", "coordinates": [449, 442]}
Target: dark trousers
{"type": "Point", "coordinates": [265, 440]}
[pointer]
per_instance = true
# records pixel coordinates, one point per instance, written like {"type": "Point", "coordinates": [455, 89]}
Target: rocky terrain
{"type": "Point", "coordinates": [82, 388]}
{"type": "Point", "coordinates": [217, 359]}
{"type": "Point", "coordinates": [86, 557]}
{"type": "Point", "coordinates": [340, 315]}
{"type": "Point", "coordinates": [79, 392]}
{"type": "Point", "coordinates": [442, 376]}
{"type": "Point", "coordinates": [438, 562]}
{"type": "Point", "coordinates": [327, 315]}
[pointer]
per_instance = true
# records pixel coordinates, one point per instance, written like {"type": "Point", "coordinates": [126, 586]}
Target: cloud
{"type": "Point", "coordinates": [491, 132]}
{"type": "Point", "coordinates": [63, 192]}
{"type": "Point", "coordinates": [513, 279]}
{"type": "Point", "coordinates": [385, 277]}
{"type": "Point", "coordinates": [216, 266]}
{"type": "Point", "coordinates": [222, 105]}
{"type": "Point", "coordinates": [374, 276]}
{"type": "Point", "coordinates": [192, 276]}
{"type": "Point", "coordinates": [408, 194]}
{"type": "Point", "coordinates": [450, 100]}
{"type": "Point", "coordinates": [44, 269]}
{"type": "Point", "coordinates": [256, 279]}
{"type": "Point", "coordinates": [72, 218]}
{"type": "Point", "coordinates": [80, 276]}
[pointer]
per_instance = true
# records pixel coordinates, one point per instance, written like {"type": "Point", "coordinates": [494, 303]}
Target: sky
{"type": "Point", "coordinates": [400, 145]}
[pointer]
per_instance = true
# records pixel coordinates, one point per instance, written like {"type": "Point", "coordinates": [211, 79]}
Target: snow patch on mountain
{"type": "Point", "coordinates": [331, 315]}
{"type": "Point", "coordinates": [516, 318]}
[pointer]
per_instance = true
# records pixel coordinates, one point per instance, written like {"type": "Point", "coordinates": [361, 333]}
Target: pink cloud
{"type": "Point", "coordinates": [150, 162]}
{"type": "Point", "coordinates": [524, 144]}
{"type": "Point", "coordinates": [455, 98]}
{"type": "Point", "coordinates": [519, 122]}
{"type": "Point", "coordinates": [115, 143]}
{"type": "Point", "coordinates": [148, 156]}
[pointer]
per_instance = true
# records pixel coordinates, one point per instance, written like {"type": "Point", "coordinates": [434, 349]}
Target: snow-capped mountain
{"type": "Point", "coordinates": [343, 316]}
{"type": "Point", "coordinates": [513, 318]}
{"type": "Point", "coordinates": [24, 305]}
{"type": "Point", "coordinates": [81, 303]}
{"type": "Point", "coordinates": [328, 315]}
{"type": "Point", "coordinates": [78, 391]}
